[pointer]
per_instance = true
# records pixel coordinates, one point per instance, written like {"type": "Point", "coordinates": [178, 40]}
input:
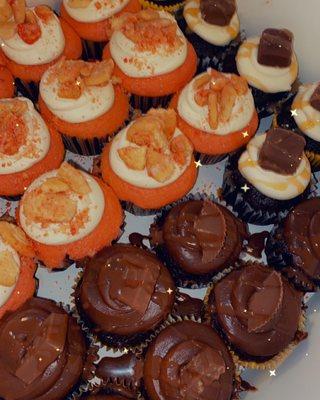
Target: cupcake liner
{"type": "Point", "coordinates": [28, 89]}
{"type": "Point", "coordinates": [144, 103]}
{"type": "Point", "coordinates": [85, 147]}
{"type": "Point", "coordinates": [171, 6]}
{"type": "Point", "coordinates": [207, 159]}
{"type": "Point", "coordinates": [138, 211]}
{"type": "Point", "coordinates": [92, 50]}
{"type": "Point", "coordinates": [11, 198]}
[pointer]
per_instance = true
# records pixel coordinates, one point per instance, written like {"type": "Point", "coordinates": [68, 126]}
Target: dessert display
{"type": "Point", "coordinates": [197, 240]}
{"type": "Point", "coordinates": [216, 112]}
{"type": "Point", "coordinates": [150, 163]}
{"type": "Point", "coordinates": [28, 147]}
{"type": "Point", "coordinates": [84, 102]}
{"type": "Point", "coordinates": [152, 57]}
{"type": "Point", "coordinates": [270, 66]}
{"type": "Point", "coordinates": [69, 213]}
{"type": "Point", "coordinates": [293, 246]}
{"type": "Point", "coordinates": [7, 87]}
{"type": "Point", "coordinates": [272, 175]}
{"type": "Point", "coordinates": [259, 314]}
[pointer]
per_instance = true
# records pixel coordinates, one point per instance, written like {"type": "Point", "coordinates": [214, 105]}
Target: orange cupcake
{"type": "Point", "coordinates": [32, 39]}
{"type": "Point", "coordinates": [216, 112]}
{"type": "Point", "coordinates": [28, 147]}
{"type": "Point", "coordinates": [6, 83]}
{"type": "Point", "coordinates": [152, 57]}
{"type": "Point", "coordinates": [84, 103]}
{"type": "Point", "coordinates": [150, 163]}
{"type": "Point", "coordinates": [17, 268]}
{"type": "Point", "coordinates": [67, 213]}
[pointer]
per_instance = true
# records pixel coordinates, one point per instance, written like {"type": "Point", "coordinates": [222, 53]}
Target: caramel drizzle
{"type": "Point", "coordinates": [299, 104]}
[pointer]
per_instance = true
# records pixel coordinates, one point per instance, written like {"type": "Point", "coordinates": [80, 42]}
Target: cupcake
{"type": "Point", "coordinates": [17, 268]}
{"type": "Point", "coordinates": [69, 213]}
{"type": "Point", "coordinates": [270, 66]}
{"type": "Point", "coordinates": [125, 294]}
{"type": "Point", "coordinates": [32, 39]}
{"type": "Point", "coordinates": [150, 163]}
{"type": "Point", "coordinates": [259, 314]}
{"type": "Point", "coordinates": [213, 28]}
{"type": "Point", "coordinates": [293, 246]}
{"type": "Point", "coordinates": [216, 112]}
{"type": "Point", "coordinates": [7, 88]}
{"type": "Point", "coordinates": [302, 115]}
{"type": "Point", "coordinates": [272, 175]}
{"type": "Point", "coordinates": [152, 57]}
{"type": "Point", "coordinates": [197, 240]}
{"type": "Point", "coordinates": [92, 20]}
{"type": "Point", "coordinates": [28, 147]}
{"type": "Point", "coordinates": [43, 353]}
{"type": "Point", "coordinates": [84, 103]}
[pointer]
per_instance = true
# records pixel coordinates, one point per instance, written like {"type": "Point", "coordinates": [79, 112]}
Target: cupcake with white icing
{"type": "Point", "coordinates": [302, 115]}
{"type": "Point", "coordinates": [213, 28]}
{"type": "Point", "coordinates": [270, 66]}
{"type": "Point", "coordinates": [150, 163]}
{"type": "Point", "coordinates": [28, 147]}
{"type": "Point", "coordinates": [32, 39]}
{"type": "Point", "coordinates": [84, 102]}
{"type": "Point", "coordinates": [152, 57]}
{"type": "Point", "coordinates": [271, 176]}
{"type": "Point", "coordinates": [69, 214]}
{"type": "Point", "coordinates": [216, 112]}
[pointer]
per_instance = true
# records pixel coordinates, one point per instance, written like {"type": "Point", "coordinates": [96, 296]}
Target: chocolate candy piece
{"type": "Point", "coordinates": [275, 48]}
{"type": "Point", "coordinates": [315, 98]}
{"type": "Point", "coordinates": [282, 151]}
{"type": "Point", "coordinates": [217, 12]}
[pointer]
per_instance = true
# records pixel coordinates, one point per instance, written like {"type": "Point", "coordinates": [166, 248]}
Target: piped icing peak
{"type": "Point", "coordinates": [218, 12]}
{"type": "Point", "coordinates": [276, 48]}
{"type": "Point", "coordinates": [315, 98]}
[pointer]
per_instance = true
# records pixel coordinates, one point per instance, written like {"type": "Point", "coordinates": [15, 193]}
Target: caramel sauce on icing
{"type": "Point", "coordinates": [232, 32]}
{"type": "Point", "coordinates": [195, 13]}
{"type": "Point", "coordinates": [309, 125]}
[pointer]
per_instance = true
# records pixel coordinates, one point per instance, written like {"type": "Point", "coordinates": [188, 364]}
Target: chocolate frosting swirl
{"type": "Point", "coordinates": [42, 352]}
{"type": "Point", "coordinates": [257, 310]}
{"type": "Point", "coordinates": [188, 361]}
{"type": "Point", "coordinates": [302, 235]}
{"type": "Point", "coordinates": [125, 291]}
{"type": "Point", "coordinates": [202, 236]}
{"type": "Point", "coordinates": [217, 12]}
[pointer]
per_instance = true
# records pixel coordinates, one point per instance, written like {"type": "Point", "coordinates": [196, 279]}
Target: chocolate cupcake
{"type": "Point", "coordinates": [271, 176]}
{"type": "Point", "coordinates": [43, 352]}
{"type": "Point", "coordinates": [213, 28]}
{"type": "Point", "coordinates": [270, 66]}
{"type": "Point", "coordinates": [124, 296]}
{"type": "Point", "coordinates": [293, 246]}
{"type": "Point", "coordinates": [302, 115]}
{"type": "Point", "coordinates": [197, 240]}
{"type": "Point", "coordinates": [259, 314]}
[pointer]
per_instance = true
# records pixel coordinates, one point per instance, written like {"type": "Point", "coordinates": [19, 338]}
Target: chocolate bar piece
{"type": "Point", "coordinates": [217, 12]}
{"type": "Point", "coordinates": [276, 48]}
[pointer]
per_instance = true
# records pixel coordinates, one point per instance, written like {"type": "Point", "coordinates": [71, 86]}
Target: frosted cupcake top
{"type": "Point", "coordinates": [30, 36]}
{"type": "Point", "coordinates": [275, 164]}
{"type": "Point", "coordinates": [269, 62]}
{"type": "Point", "coordinates": [24, 138]}
{"type": "Point", "coordinates": [148, 43]}
{"type": "Point", "coordinates": [151, 152]}
{"type": "Point", "coordinates": [93, 10]}
{"type": "Point", "coordinates": [78, 91]}
{"type": "Point", "coordinates": [61, 206]}
{"type": "Point", "coordinates": [215, 21]}
{"type": "Point", "coordinates": [217, 103]}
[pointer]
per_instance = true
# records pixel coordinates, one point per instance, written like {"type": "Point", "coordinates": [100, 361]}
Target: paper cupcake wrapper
{"type": "Point", "coordinates": [28, 89]}
{"type": "Point", "coordinates": [92, 50]}
{"type": "Point", "coordinates": [207, 159]}
{"type": "Point", "coordinates": [172, 6]}
{"type": "Point", "coordinates": [138, 211]}
{"type": "Point", "coordinates": [144, 103]}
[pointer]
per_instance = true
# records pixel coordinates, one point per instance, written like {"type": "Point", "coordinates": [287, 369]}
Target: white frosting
{"type": "Point", "coordinates": [307, 118]}
{"type": "Point", "coordinates": [142, 64]}
{"type": "Point", "coordinates": [5, 291]}
{"type": "Point", "coordinates": [37, 143]}
{"type": "Point", "coordinates": [269, 183]}
{"type": "Point", "coordinates": [214, 34]}
{"type": "Point", "coordinates": [47, 48]}
{"type": "Point", "coordinates": [197, 116]}
{"type": "Point", "coordinates": [92, 13]}
{"type": "Point", "coordinates": [266, 78]}
{"type": "Point", "coordinates": [139, 178]}
{"type": "Point", "coordinates": [93, 102]}
{"type": "Point", "coordinates": [52, 233]}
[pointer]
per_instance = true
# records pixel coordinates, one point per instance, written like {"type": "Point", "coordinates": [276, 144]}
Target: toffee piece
{"type": "Point", "coordinates": [217, 12]}
{"type": "Point", "coordinates": [315, 99]}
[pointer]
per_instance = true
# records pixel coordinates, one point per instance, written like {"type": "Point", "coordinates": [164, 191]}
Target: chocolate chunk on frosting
{"type": "Point", "coordinates": [276, 48]}
{"type": "Point", "coordinates": [315, 98]}
{"type": "Point", "coordinates": [282, 151]}
{"type": "Point", "coordinates": [217, 12]}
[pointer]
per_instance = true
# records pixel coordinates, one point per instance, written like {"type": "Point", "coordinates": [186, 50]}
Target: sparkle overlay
{"type": "Point", "coordinates": [169, 291]}
{"type": "Point", "coordinates": [198, 164]}
{"type": "Point", "coordinates": [294, 113]}
{"type": "Point", "coordinates": [272, 372]}
{"type": "Point", "coordinates": [245, 188]}
{"type": "Point", "coordinates": [245, 134]}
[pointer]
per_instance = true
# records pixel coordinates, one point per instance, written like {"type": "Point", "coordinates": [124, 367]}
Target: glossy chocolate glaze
{"type": "Point", "coordinates": [257, 310]}
{"type": "Point", "coordinates": [256, 243]}
{"type": "Point", "coordinates": [42, 352]}
{"type": "Point", "coordinates": [187, 306]}
{"type": "Point", "coordinates": [125, 291]}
